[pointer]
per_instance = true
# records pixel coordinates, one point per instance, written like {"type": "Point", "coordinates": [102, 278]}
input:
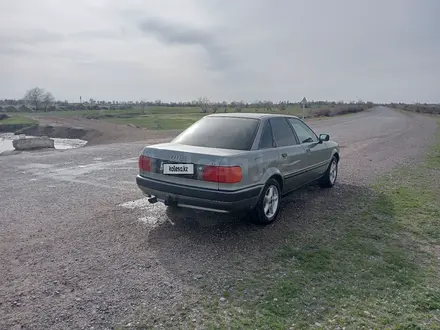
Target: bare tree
{"type": "Point", "coordinates": [282, 105]}
{"type": "Point", "coordinates": [258, 105]}
{"type": "Point", "coordinates": [143, 104]}
{"type": "Point", "coordinates": [268, 105]}
{"type": "Point", "coordinates": [35, 97]}
{"type": "Point", "coordinates": [203, 102]}
{"type": "Point", "coordinates": [239, 106]}
{"type": "Point", "coordinates": [48, 100]}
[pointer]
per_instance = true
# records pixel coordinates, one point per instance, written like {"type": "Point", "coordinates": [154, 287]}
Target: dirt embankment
{"type": "Point", "coordinates": [57, 132]}
{"type": "Point", "coordinates": [93, 131]}
{"type": "Point", "coordinates": [11, 128]}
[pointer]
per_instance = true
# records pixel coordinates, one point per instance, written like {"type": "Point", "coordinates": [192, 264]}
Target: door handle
{"type": "Point", "coordinates": [308, 150]}
{"type": "Point", "coordinates": [284, 155]}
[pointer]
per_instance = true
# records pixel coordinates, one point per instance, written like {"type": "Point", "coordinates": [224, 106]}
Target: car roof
{"type": "Point", "coordinates": [254, 115]}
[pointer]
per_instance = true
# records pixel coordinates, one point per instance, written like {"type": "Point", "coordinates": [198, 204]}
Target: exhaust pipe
{"type": "Point", "coordinates": [152, 200]}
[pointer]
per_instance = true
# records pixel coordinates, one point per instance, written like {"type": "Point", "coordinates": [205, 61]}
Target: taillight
{"type": "Point", "coordinates": [222, 174]}
{"type": "Point", "coordinates": [210, 173]}
{"type": "Point", "coordinates": [144, 163]}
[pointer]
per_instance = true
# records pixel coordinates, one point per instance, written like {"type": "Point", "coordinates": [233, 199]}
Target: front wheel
{"type": "Point", "coordinates": [329, 178]}
{"type": "Point", "coordinates": [268, 207]}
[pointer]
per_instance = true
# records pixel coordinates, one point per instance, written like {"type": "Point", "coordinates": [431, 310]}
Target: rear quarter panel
{"type": "Point", "coordinates": [257, 167]}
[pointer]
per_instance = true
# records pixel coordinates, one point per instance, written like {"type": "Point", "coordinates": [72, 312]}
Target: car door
{"type": "Point", "coordinates": [318, 155]}
{"type": "Point", "coordinates": [292, 156]}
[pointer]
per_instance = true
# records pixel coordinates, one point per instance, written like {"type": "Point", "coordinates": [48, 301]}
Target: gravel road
{"type": "Point", "coordinates": [80, 248]}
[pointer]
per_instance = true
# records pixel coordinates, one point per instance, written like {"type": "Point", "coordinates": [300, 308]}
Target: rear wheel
{"type": "Point", "coordinates": [268, 207]}
{"type": "Point", "coordinates": [330, 176]}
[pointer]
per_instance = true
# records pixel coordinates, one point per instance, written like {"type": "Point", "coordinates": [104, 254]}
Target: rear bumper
{"type": "Point", "coordinates": [199, 198]}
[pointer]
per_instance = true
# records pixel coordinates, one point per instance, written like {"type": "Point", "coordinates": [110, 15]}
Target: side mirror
{"type": "Point", "coordinates": [324, 137]}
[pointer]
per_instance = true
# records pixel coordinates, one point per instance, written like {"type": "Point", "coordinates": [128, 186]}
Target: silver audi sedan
{"type": "Point", "coordinates": [238, 162]}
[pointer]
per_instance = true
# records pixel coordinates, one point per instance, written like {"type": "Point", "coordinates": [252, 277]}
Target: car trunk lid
{"type": "Point", "coordinates": [168, 158]}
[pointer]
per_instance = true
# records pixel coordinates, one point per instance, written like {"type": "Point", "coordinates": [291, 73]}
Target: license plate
{"type": "Point", "coordinates": [178, 168]}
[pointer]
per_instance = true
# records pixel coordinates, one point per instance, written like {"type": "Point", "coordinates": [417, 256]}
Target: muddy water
{"type": "Point", "coordinates": [6, 142]}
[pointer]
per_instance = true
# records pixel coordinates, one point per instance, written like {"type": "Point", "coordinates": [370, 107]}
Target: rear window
{"type": "Point", "coordinates": [221, 132]}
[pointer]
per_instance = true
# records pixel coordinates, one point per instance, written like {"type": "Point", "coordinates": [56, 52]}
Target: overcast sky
{"type": "Point", "coordinates": [379, 50]}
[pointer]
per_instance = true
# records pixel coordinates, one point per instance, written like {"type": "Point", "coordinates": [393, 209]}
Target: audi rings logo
{"type": "Point", "coordinates": [177, 157]}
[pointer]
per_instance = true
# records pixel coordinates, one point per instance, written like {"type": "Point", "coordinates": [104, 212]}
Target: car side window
{"type": "Point", "coordinates": [305, 134]}
{"type": "Point", "coordinates": [266, 140]}
{"type": "Point", "coordinates": [282, 132]}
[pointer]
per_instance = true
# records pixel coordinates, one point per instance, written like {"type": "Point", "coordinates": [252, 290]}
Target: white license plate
{"type": "Point", "coordinates": [178, 168]}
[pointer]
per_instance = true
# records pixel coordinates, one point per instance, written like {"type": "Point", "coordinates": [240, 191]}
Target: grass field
{"type": "Point", "coordinates": [151, 110]}
{"type": "Point", "coordinates": [152, 117]}
{"type": "Point", "coordinates": [171, 117]}
{"type": "Point", "coordinates": [16, 120]}
{"type": "Point", "coordinates": [133, 112]}
{"type": "Point", "coordinates": [420, 108]}
{"type": "Point", "coordinates": [162, 121]}
{"type": "Point", "coordinates": [374, 264]}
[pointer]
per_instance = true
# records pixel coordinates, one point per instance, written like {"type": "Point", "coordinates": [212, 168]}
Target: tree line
{"type": "Point", "coordinates": [41, 100]}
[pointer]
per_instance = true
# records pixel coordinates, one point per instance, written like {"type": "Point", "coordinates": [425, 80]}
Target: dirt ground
{"type": "Point", "coordinates": [101, 132]}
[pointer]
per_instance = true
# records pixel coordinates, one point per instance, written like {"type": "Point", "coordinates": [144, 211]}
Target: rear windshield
{"type": "Point", "coordinates": [221, 132]}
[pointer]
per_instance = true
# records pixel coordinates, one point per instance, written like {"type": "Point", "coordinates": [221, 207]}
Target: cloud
{"type": "Point", "coordinates": [245, 49]}
{"type": "Point", "coordinates": [37, 42]}
{"type": "Point", "coordinates": [29, 37]}
{"type": "Point", "coordinates": [37, 36]}
{"type": "Point", "coordinates": [172, 33]}
{"type": "Point", "coordinates": [96, 34]}
{"type": "Point", "coordinates": [10, 50]}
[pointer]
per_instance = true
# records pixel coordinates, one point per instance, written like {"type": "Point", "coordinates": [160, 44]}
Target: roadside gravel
{"type": "Point", "coordinates": [76, 256]}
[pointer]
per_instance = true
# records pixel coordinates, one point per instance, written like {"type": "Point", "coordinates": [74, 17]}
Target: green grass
{"type": "Point", "coordinates": [433, 158]}
{"type": "Point", "coordinates": [373, 264]}
{"type": "Point", "coordinates": [134, 112]}
{"type": "Point", "coordinates": [169, 117]}
{"type": "Point", "coordinates": [153, 110]}
{"type": "Point", "coordinates": [166, 121]}
{"type": "Point", "coordinates": [15, 119]}
{"type": "Point", "coordinates": [172, 118]}
{"type": "Point", "coordinates": [166, 117]}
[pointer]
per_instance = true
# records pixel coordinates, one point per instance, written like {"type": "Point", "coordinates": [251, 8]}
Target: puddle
{"type": "Point", "coordinates": [156, 212]}
{"type": "Point", "coordinates": [154, 215]}
{"type": "Point", "coordinates": [6, 142]}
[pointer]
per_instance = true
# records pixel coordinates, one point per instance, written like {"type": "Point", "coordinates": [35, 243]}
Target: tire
{"type": "Point", "coordinates": [267, 211]}
{"type": "Point", "coordinates": [330, 176]}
